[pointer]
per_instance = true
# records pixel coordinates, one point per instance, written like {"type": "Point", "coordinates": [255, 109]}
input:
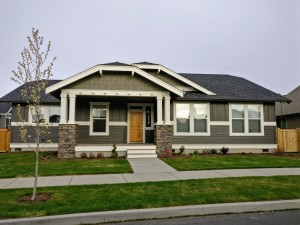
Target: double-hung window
{"type": "Point", "coordinates": [246, 119]}
{"type": "Point", "coordinates": [191, 118]}
{"type": "Point", "coordinates": [99, 113]}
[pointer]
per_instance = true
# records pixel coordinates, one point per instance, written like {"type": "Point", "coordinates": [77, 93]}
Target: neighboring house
{"type": "Point", "coordinates": [145, 108]}
{"type": "Point", "coordinates": [5, 115]}
{"type": "Point", "coordinates": [288, 115]}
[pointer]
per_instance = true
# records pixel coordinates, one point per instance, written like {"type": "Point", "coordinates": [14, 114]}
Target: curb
{"type": "Point", "coordinates": [157, 213]}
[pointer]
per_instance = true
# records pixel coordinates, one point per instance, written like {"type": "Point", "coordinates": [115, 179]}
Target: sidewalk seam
{"type": "Point", "coordinates": [10, 183]}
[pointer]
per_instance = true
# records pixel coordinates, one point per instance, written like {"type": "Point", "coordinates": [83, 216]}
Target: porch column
{"type": "Point", "coordinates": [167, 110]}
{"type": "Point", "coordinates": [72, 108]}
{"type": "Point", "coordinates": [159, 109]}
{"type": "Point", "coordinates": [63, 108]}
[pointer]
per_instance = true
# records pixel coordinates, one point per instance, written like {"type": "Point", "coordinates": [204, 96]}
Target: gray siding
{"type": "Point", "coordinates": [117, 134]}
{"type": "Point", "coordinates": [24, 112]}
{"type": "Point", "coordinates": [219, 111]}
{"type": "Point", "coordinates": [16, 138]}
{"type": "Point", "coordinates": [293, 122]}
{"type": "Point", "coordinates": [2, 121]}
{"type": "Point", "coordinates": [168, 79]}
{"type": "Point", "coordinates": [220, 135]}
{"type": "Point", "coordinates": [113, 81]}
{"type": "Point", "coordinates": [269, 112]}
{"type": "Point", "coordinates": [149, 136]}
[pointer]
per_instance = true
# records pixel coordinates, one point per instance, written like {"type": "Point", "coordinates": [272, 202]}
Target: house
{"type": "Point", "coordinates": [5, 115]}
{"type": "Point", "coordinates": [148, 109]}
{"type": "Point", "coordinates": [288, 115]}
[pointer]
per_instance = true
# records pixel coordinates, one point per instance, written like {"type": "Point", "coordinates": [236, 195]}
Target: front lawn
{"type": "Point", "coordinates": [210, 162]}
{"type": "Point", "coordinates": [95, 198]}
{"type": "Point", "coordinates": [22, 165]}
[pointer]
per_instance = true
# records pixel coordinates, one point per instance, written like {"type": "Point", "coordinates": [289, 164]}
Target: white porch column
{"type": "Point", "coordinates": [63, 108]}
{"type": "Point", "coordinates": [159, 109]}
{"type": "Point", "coordinates": [72, 108]}
{"type": "Point", "coordinates": [167, 110]}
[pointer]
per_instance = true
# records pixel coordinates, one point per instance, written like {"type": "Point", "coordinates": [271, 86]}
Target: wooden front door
{"type": "Point", "coordinates": [136, 127]}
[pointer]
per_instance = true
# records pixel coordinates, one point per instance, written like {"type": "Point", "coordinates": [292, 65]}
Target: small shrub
{"type": "Point", "coordinates": [224, 150]}
{"type": "Point", "coordinates": [190, 154]}
{"type": "Point", "coordinates": [196, 153]}
{"type": "Point", "coordinates": [114, 153]}
{"type": "Point", "coordinates": [83, 155]}
{"type": "Point", "coordinates": [99, 155]}
{"type": "Point", "coordinates": [91, 155]}
{"type": "Point", "coordinates": [213, 151]}
{"type": "Point", "coordinates": [181, 149]}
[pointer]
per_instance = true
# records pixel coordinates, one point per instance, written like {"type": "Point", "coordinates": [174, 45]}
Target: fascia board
{"type": "Point", "coordinates": [172, 73]}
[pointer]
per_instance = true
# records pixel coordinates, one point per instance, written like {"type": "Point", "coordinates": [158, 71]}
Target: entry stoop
{"type": "Point", "coordinates": [141, 154]}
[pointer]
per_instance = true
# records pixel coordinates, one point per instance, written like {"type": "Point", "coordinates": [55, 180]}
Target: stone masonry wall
{"type": "Point", "coordinates": [67, 140]}
{"type": "Point", "coordinates": [163, 140]}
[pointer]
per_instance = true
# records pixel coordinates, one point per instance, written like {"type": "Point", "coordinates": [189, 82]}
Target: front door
{"type": "Point", "coordinates": [136, 127]}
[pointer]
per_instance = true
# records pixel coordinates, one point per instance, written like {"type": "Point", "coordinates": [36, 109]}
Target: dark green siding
{"type": "Point", "coordinates": [117, 134]}
{"type": "Point", "coordinates": [115, 81]}
{"type": "Point", "coordinates": [269, 112]}
{"type": "Point", "coordinates": [24, 113]}
{"type": "Point", "coordinates": [16, 138]}
{"type": "Point", "coordinates": [219, 111]}
{"type": "Point", "coordinates": [220, 135]}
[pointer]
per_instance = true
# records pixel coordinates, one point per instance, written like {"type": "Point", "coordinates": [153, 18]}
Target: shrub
{"type": "Point", "coordinates": [99, 155]}
{"type": "Point", "coordinates": [114, 153]}
{"type": "Point", "coordinates": [196, 153]}
{"type": "Point", "coordinates": [213, 151]}
{"type": "Point", "coordinates": [83, 155]}
{"type": "Point", "coordinates": [181, 149]}
{"type": "Point", "coordinates": [224, 150]}
{"type": "Point", "coordinates": [190, 154]}
{"type": "Point", "coordinates": [91, 155]}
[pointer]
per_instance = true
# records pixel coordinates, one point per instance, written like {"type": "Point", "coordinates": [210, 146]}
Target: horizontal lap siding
{"type": "Point", "coordinates": [220, 135]}
{"type": "Point", "coordinates": [16, 138]}
{"type": "Point", "coordinates": [269, 112]}
{"type": "Point", "coordinates": [117, 134]}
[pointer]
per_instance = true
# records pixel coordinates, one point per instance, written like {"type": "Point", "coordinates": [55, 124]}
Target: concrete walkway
{"type": "Point", "coordinates": [12, 183]}
{"type": "Point", "coordinates": [150, 165]}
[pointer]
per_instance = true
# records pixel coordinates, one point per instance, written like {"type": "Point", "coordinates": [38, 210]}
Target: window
{"type": "Point", "coordinates": [246, 119]}
{"type": "Point", "coordinates": [191, 118]}
{"type": "Point", "coordinates": [37, 115]}
{"type": "Point", "coordinates": [99, 119]}
{"type": "Point", "coordinates": [47, 114]}
{"type": "Point", "coordinates": [54, 114]}
{"type": "Point", "coordinates": [148, 116]}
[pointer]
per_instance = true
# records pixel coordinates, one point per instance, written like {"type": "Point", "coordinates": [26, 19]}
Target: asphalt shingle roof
{"type": "Point", "coordinates": [115, 64]}
{"type": "Point", "coordinates": [146, 63]}
{"type": "Point", "coordinates": [293, 107]}
{"type": "Point", "coordinates": [16, 97]}
{"type": "Point", "coordinates": [4, 107]}
{"type": "Point", "coordinates": [232, 88]}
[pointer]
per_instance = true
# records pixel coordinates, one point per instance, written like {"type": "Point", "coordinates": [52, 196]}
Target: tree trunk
{"type": "Point", "coordinates": [36, 172]}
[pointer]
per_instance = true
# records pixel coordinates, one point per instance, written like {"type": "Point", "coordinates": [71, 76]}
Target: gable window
{"type": "Point", "coordinates": [99, 118]}
{"type": "Point", "coordinates": [191, 118]}
{"type": "Point", "coordinates": [246, 119]}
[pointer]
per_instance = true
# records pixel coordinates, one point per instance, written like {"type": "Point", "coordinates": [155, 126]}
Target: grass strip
{"type": "Point", "coordinates": [79, 199]}
{"type": "Point", "coordinates": [22, 165]}
{"type": "Point", "coordinates": [211, 162]}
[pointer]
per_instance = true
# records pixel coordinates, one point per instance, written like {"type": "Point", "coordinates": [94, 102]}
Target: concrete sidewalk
{"type": "Point", "coordinates": [12, 183]}
{"type": "Point", "coordinates": [157, 213]}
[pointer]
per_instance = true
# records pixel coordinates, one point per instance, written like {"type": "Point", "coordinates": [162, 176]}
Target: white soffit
{"type": "Point", "coordinates": [100, 68]}
{"type": "Point", "coordinates": [175, 75]}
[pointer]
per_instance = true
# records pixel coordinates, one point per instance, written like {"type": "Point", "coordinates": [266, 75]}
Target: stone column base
{"type": "Point", "coordinates": [163, 140]}
{"type": "Point", "coordinates": [67, 140]}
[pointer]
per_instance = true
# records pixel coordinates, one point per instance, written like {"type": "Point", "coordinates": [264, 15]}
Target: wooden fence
{"type": "Point", "coordinates": [288, 140]}
{"type": "Point", "coordinates": [4, 140]}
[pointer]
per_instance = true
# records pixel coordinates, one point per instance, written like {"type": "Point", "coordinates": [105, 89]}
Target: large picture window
{"type": "Point", "coordinates": [99, 118]}
{"type": "Point", "coordinates": [246, 119]}
{"type": "Point", "coordinates": [191, 118]}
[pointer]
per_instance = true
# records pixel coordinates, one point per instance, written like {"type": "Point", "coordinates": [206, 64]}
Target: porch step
{"type": "Point", "coordinates": [139, 154]}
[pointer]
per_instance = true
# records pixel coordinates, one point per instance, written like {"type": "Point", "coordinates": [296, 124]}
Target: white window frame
{"type": "Point", "coordinates": [106, 104]}
{"type": "Point", "coordinates": [47, 112]}
{"type": "Point", "coordinates": [191, 133]}
{"type": "Point", "coordinates": [44, 110]}
{"type": "Point", "coordinates": [246, 120]}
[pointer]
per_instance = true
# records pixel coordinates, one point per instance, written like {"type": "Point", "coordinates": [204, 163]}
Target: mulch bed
{"type": "Point", "coordinates": [38, 198]}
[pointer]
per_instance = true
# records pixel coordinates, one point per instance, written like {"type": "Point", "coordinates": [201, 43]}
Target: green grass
{"type": "Point", "coordinates": [79, 199]}
{"type": "Point", "coordinates": [209, 162]}
{"type": "Point", "coordinates": [22, 165]}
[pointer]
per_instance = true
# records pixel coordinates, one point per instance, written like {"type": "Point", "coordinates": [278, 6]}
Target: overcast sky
{"type": "Point", "coordinates": [255, 39]}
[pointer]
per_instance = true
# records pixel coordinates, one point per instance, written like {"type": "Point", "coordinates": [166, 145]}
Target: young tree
{"type": "Point", "coordinates": [34, 71]}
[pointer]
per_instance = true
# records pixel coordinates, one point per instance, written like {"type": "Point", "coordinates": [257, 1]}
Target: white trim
{"type": "Point", "coordinates": [42, 145]}
{"type": "Point", "coordinates": [106, 119]}
{"type": "Point", "coordinates": [44, 110]}
{"type": "Point", "coordinates": [117, 123]}
{"type": "Point", "coordinates": [230, 146]}
{"type": "Point", "coordinates": [246, 120]}
{"type": "Point", "coordinates": [108, 148]}
{"type": "Point", "coordinates": [83, 123]}
{"type": "Point", "coordinates": [220, 123]}
{"type": "Point", "coordinates": [270, 124]}
{"type": "Point", "coordinates": [97, 68]}
{"type": "Point", "coordinates": [175, 75]}
{"type": "Point", "coordinates": [191, 133]}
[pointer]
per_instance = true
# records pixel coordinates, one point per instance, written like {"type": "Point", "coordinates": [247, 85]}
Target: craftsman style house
{"type": "Point", "coordinates": [148, 109]}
